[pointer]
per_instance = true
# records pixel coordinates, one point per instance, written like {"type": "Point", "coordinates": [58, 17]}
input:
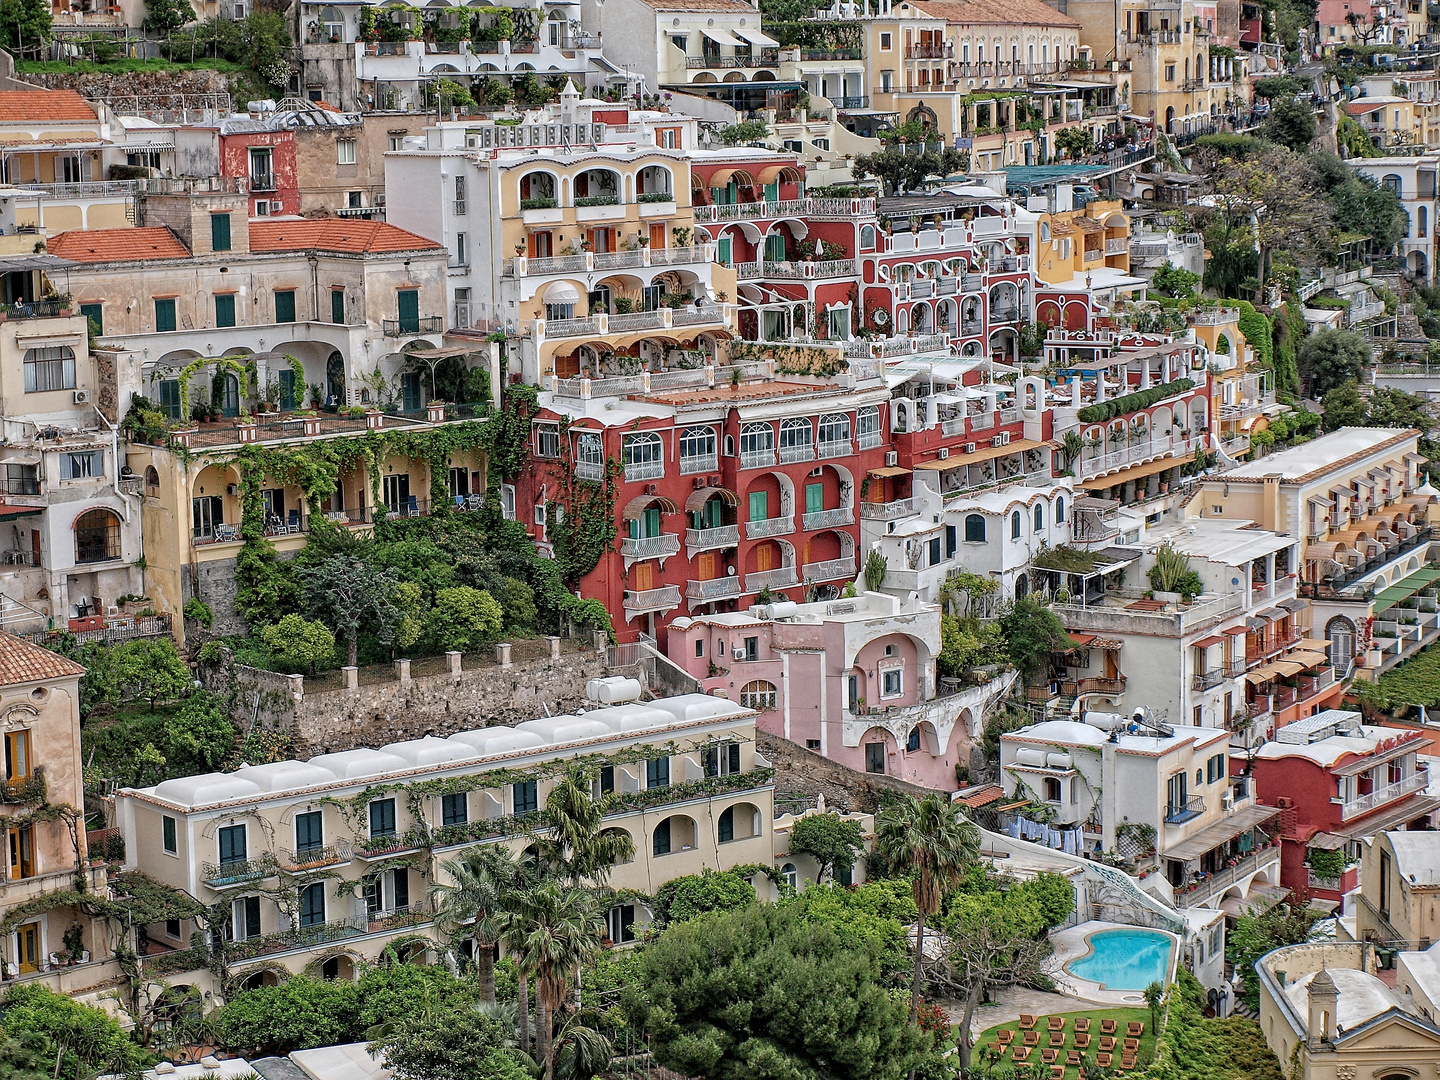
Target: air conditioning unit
{"type": "Point", "coordinates": [969, 448]}
{"type": "Point", "coordinates": [998, 440]}
{"type": "Point", "coordinates": [1227, 800]}
{"type": "Point", "coordinates": [1004, 438]}
{"type": "Point", "coordinates": [697, 482]}
{"type": "Point", "coordinates": [892, 458]}
{"type": "Point", "coordinates": [82, 397]}
{"type": "Point", "coordinates": [944, 452]}
{"type": "Point", "coordinates": [737, 654]}
{"type": "Point", "coordinates": [652, 489]}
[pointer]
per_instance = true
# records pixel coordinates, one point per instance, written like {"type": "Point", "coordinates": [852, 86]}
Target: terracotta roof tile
{"type": "Point", "coordinates": [980, 796]}
{"type": "Point", "coordinates": [117, 245]}
{"type": "Point", "coordinates": [350, 236]}
{"type": "Point", "coordinates": [1006, 12]}
{"type": "Point", "coordinates": [23, 661]}
{"type": "Point", "coordinates": [701, 5]}
{"type": "Point", "coordinates": [22, 105]}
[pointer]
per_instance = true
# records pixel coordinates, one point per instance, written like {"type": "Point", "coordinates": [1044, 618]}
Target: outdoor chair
{"type": "Point", "coordinates": [1135, 1028]}
{"type": "Point", "coordinates": [1032, 1038]}
{"type": "Point", "coordinates": [1127, 1061]}
{"type": "Point", "coordinates": [1057, 1023]}
{"type": "Point", "coordinates": [1082, 1025]}
{"type": "Point", "coordinates": [1057, 1072]}
{"type": "Point", "coordinates": [1006, 1037]}
{"type": "Point", "coordinates": [459, 502]}
{"type": "Point", "coordinates": [1022, 1053]}
{"type": "Point", "coordinates": [1026, 1021]}
{"type": "Point", "coordinates": [1049, 1056]}
{"type": "Point", "coordinates": [1131, 1046]}
{"type": "Point", "coordinates": [294, 522]}
{"type": "Point", "coordinates": [1107, 1042]}
{"type": "Point", "coordinates": [1057, 1038]}
{"type": "Point", "coordinates": [1103, 1059]}
{"type": "Point", "coordinates": [1107, 1027]}
{"type": "Point", "coordinates": [1082, 1042]}
{"type": "Point", "coordinates": [1072, 1057]}
{"type": "Point", "coordinates": [413, 510]}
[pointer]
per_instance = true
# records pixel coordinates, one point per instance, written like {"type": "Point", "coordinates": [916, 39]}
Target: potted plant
{"type": "Point", "coordinates": [74, 942]}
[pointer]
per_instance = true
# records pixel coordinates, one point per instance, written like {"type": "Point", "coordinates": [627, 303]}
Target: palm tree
{"type": "Point", "coordinates": [484, 879]}
{"type": "Point", "coordinates": [571, 841]}
{"type": "Point", "coordinates": [930, 838]}
{"type": "Point", "coordinates": [556, 928]}
{"type": "Point", "coordinates": [581, 1052]}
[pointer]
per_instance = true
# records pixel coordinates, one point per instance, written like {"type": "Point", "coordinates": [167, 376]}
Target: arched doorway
{"type": "Point", "coordinates": [335, 379]}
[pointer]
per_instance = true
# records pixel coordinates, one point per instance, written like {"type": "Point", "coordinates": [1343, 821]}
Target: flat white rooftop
{"type": "Point", "coordinates": [1319, 453]}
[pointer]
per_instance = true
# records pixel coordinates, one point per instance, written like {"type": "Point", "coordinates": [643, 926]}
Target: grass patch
{"type": "Point", "coordinates": [124, 66]}
{"type": "Point", "coordinates": [990, 1037]}
{"type": "Point", "coordinates": [1414, 682]}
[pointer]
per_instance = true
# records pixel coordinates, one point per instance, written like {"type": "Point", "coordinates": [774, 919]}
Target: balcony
{"type": "Point", "coordinates": [698, 463]}
{"type": "Point", "coordinates": [1365, 803]}
{"type": "Point", "coordinates": [887, 511]}
{"type": "Point", "coordinates": [775, 526]}
{"type": "Point", "coordinates": [1315, 881]}
{"type": "Point", "coordinates": [833, 448]}
{"type": "Point", "coordinates": [262, 181]}
{"type": "Point", "coordinates": [757, 459]}
{"type": "Point", "coordinates": [633, 548]}
{"type": "Point", "coordinates": [720, 588]}
{"type": "Point", "coordinates": [718, 538]}
{"type": "Point", "coordinates": [638, 602]}
{"type": "Point", "coordinates": [1135, 454]}
{"type": "Point", "coordinates": [314, 858]}
{"type": "Point", "coordinates": [780, 578]}
{"type": "Point", "coordinates": [227, 875]}
{"type": "Point", "coordinates": [789, 455]}
{"type": "Point", "coordinates": [423, 324]}
{"type": "Point", "coordinates": [644, 470]}
{"type": "Point", "coordinates": [1116, 247]}
{"type": "Point", "coordinates": [1230, 875]}
{"type": "Point", "coordinates": [1206, 679]}
{"type": "Point", "coordinates": [829, 569]}
{"type": "Point", "coordinates": [828, 519]}
{"type": "Point", "coordinates": [1189, 810]}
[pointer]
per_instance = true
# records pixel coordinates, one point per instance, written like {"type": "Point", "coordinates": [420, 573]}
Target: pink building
{"type": "Point", "coordinates": [851, 679]}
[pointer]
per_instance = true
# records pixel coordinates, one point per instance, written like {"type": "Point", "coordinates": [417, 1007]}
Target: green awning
{"type": "Point", "coordinates": [1405, 588]}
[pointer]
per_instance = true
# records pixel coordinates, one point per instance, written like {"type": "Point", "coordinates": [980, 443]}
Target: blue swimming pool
{"type": "Point", "coordinates": [1126, 959]}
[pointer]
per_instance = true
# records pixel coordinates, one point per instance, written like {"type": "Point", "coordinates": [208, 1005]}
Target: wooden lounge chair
{"type": "Point", "coordinates": [1057, 1038]}
{"type": "Point", "coordinates": [1103, 1059]}
{"type": "Point", "coordinates": [1082, 1042]}
{"type": "Point", "coordinates": [1032, 1038]}
{"type": "Point", "coordinates": [1135, 1028]}
{"type": "Point", "coordinates": [1022, 1053]}
{"type": "Point", "coordinates": [1107, 1027]}
{"type": "Point", "coordinates": [1026, 1021]}
{"type": "Point", "coordinates": [1131, 1046]}
{"type": "Point", "coordinates": [1057, 1023]}
{"type": "Point", "coordinates": [1006, 1037]}
{"type": "Point", "coordinates": [1127, 1061]}
{"type": "Point", "coordinates": [1072, 1057]}
{"type": "Point", "coordinates": [1082, 1025]}
{"type": "Point", "coordinates": [1057, 1072]}
{"type": "Point", "coordinates": [1049, 1057]}
{"type": "Point", "coordinates": [1107, 1043]}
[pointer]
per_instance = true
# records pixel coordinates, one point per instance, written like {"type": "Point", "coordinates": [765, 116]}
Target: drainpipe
{"type": "Point", "coordinates": [115, 450]}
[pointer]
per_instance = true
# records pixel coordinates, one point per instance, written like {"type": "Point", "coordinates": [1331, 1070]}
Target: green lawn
{"type": "Point", "coordinates": [123, 66]}
{"type": "Point", "coordinates": [1120, 1016]}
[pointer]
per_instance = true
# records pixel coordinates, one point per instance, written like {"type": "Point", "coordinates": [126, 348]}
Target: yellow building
{"type": "Point", "coordinates": [1073, 243]}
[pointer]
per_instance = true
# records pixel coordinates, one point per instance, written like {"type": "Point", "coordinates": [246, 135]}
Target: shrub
{"type": "Point", "coordinates": [696, 894]}
{"type": "Point", "coordinates": [464, 618]}
{"type": "Point", "coordinates": [295, 1015]}
{"type": "Point", "coordinates": [91, 1040]}
{"type": "Point", "coordinates": [196, 610]}
{"type": "Point", "coordinates": [1129, 403]}
{"type": "Point", "coordinates": [297, 642]}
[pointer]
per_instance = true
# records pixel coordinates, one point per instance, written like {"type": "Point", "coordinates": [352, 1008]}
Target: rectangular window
{"type": "Point", "coordinates": [206, 512]}
{"type": "Point", "coordinates": [622, 923]}
{"type": "Point", "coordinates": [22, 479]}
{"type": "Point", "coordinates": [225, 309]}
{"type": "Point", "coordinates": [396, 490]}
{"type": "Point", "coordinates": [408, 308]}
{"type": "Point", "coordinates": [220, 232]}
{"type": "Point", "coordinates": [657, 773]}
{"type": "Point", "coordinates": [885, 40]}
{"type": "Point", "coordinates": [547, 441]}
{"type": "Point", "coordinates": [337, 306]}
{"type": "Point", "coordinates": [246, 918]}
{"type": "Point", "coordinates": [94, 314]}
{"type": "Point", "coordinates": [875, 757]}
{"type": "Point", "coordinates": [168, 838]}
{"type": "Point", "coordinates": [170, 398]}
{"type": "Point", "coordinates": [460, 196]}
{"type": "Point", "coordinates": [50, 368]}
{"type": "Point", "coordinates": [721, 760]}
{"type": "Point", "coordinates": [759, 509]}
{"type": "Point", "coordinates": [935, 552]}
{"type": "Point", "coordinates": [312, 905]}
{"type": "Point", "coordinates": [345, 151]}
{"type": "Point", "coordinates": [284, 305]}
{"type": "Point", "coordinates": [232, 844]}
{"type": "Point", "coordinates": [382, 817]}
{"type": "Point", "coordinates": [395, 143]}
{"type": "Point", "coordinates": [1385, 884]}
{"type": "Point", "coordinates": [891, 683]}
{"type": "Point", "coordinates": [80, 466]}
{"type": "Point", "coordinates": [526, 797]}
{"type": "Point", "coordinates": [262, 176]}
{"type": "Point", "coordinates": [410, 391]}
{"type": "Point", "coordinates": [462, 250]}
{"type": "Point", "coordinates": [309, 831]}
{"type": "Point", "coordinates": [462, 308]}
{"type": "Point", "coordinates": [607, 779]}
{"type": "Point", "coordinates": [454, 808]}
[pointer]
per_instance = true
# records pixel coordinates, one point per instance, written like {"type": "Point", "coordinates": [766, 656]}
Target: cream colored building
{"type": "Point", "coordinates": [323, 863]}
{"type": "Point", "coordinates": [1398, 899]}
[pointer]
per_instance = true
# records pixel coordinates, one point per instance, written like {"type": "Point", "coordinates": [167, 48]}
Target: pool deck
{"type": "Point", "coordinates": [1071, 944]}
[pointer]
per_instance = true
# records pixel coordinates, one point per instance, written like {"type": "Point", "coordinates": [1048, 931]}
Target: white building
{"type": "Point", "coordinates": [1412, 179]}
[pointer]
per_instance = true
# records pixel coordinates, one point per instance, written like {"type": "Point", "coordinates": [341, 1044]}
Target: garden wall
{"type": "Point", "coordinates": [801, 775]}
{"type": "Point", "coordinates": [388, 704]}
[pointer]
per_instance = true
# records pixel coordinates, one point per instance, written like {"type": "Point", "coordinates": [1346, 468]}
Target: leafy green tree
{"type": "Point", "coordinates": [165, 16]}
{"type": "Point", "coordinates": [1275, 196]}
{"type": "Point", "coordinates": [196, 610]}
{"type": "Point", "coordinates": [1330, 358]}
{"type": "Point", "coordinates": [694, 895]}
{"type": "Point", "coordinates": [296, 1015]}
{"type": "Point", "coordinates": [151, 668]}
{"type": "Point", "coordinates": [200, 733]}
{"type": "Point", "coordinates": [28, 1057]}
{"type": "Point", "coordinates": [450, 1044]}
{"type": "Point", "coordinates": [1053, 894]}
{"type": "Point", "coordinates": [1279, 86]}
{"type": "Point", "coordinates": [902, 169]}
{"type": "Point", "coordinates": [746, 131]}
{"type": "Point", "coordinates": [518, 601]}
{"type": "Point", "coordinates": [928, 839]}
{"type": "Point", "coordinates": [1031, 632]}
{"type": "Point", "coordinates": [763, 993]}
{"type": "Point", "coordinates": [1396, 408]}
{"type": "Point", "coordinates": [871, 917]}
{"type": "Point", "coordinates": [346, 593]}
{"type": "Point", "coordinates": [89, 1039]}
{"type": "Point", "coordinates": [1174, 281]}
{"type": "Point", "coordinates": [394, 991]}
{"type": "Point", "coordinates": [463, 618]}
{"type": "Point", "coordinates": [1291, 123]}
{"type": "Point", "coordinates": [965, 643]}
{"type": "Point", "coordinates": [473, 905]}
{"type": "Point", "coordinates": [1155, 997]}
{"type": "Point", "coordinates": [24, 24]}
{"type": "Point", "coordinates": [1077, 142]}
{"type": "Point", "coordinates": [298, 642]}
{"type": "Point", "coordinates": [833, 841]}
{"type": "Point", "coordinates": [1255, 935]}
{"type": "Point", "coordinates": [1343, 406]}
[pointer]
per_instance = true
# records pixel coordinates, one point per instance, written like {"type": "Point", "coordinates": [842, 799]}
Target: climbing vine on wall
{"type": "Point", "coordinates": [580, 518]}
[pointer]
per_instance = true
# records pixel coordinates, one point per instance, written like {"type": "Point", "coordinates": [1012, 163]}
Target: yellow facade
{"type": "Point", "coordinates": [1071, 243]}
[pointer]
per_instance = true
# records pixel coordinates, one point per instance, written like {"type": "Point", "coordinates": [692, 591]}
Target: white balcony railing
{"type": "Point", "coordinates": [757, 459]}
{"type": "Point", "coordinates": [644, 470]}
{"type": "Point", "coordinates": [829, 569]}
{"type": "Point", "coordinates": [722, 536]}
{"type": "Point", "coordinates": [720, 588]}
{"type": "Point", "coordinates": [775, 526]}
{"type": "Point", "coordinates": [697, 463]}
{"type": "Point", "coordinates": [801, 452]}
{"type": "Point", "coordinates": [780, 578]}
{"type": "Point", "coordinates": [887, 511]}
{"type": "Point", "coordinates": [828, 519]}
{"type": "Point", "coordinates": [1134, 453]}
{"type": "Point", "coordinates": [650, 547]}
{"type": "Point", "coordinates": [1379, 797]}
{"type": "Point", "coordinates": [661, 599]}
{"type": "Point", "coordinates": [833, 448]}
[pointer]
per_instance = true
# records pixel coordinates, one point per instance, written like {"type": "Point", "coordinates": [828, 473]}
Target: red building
{"type": "Point", "coordinates": [265, 159]}
{"type": "Point", "coordinates": [1338, 781]}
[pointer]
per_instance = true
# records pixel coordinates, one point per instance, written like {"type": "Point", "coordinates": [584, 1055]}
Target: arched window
{"type": "Point", "coordinates": [1039, 517]}
{"type": "Point", "coordinates": [1391, 181]}
{"type": "Point", "coordinates": [867, 238]}
{"type": "Point", "coordinates": [974, 528]}
{"type": "Point", "coordinates": [589, 456]}
{"type": "Point", "coordinates": [1052, 789]}
{"type": "Point", "coordinates": [51, 368]}
{"type": "Point", "coordinates": [660, 838]}
{"type": "Point", "coordinates": [834, 435]}
{"type": "Point", "coordinates": [1059, 510]}
{"type": "Point", "coordinates": [152, 477]}
{"type": "Point", "coordinates": [1341, 633]}
{"type": "Point", "coordinates": [759, 695]}
{"type": "Point", "coordinates": [1045, 231]}
{"type": "Point", "coordinates": [644, 457]}
{"type": "Point", "coordinates": [1015, 525]}
{"type": "Point", "coordinates": [697, 450]}
{"type": "Point", "coordinates": [912, 743]}
{"type": "Point", "coordinates": [537, 191]}
{"type": "Point", "coordinates": [757, 439]}
{"type": "Point", "coordinates": [97, 536]}
{"type": "Point", "coordinates": [791, 875]}
{"type": "Point", "coordinates": [795, 440]}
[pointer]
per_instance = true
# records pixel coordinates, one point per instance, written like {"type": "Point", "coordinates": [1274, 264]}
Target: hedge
{"type": "Point", "coordinates": [1128, 403]}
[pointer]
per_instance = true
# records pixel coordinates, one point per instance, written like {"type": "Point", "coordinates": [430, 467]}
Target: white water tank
{"type": "Point", "coordinates": [1107, 721]}
{"type": "Point", "coordinates": [1027, 756]}
{"type": "Point", "coordinates": [1057, 761]}
{"type": "Point", "coordinates": [614, 690]}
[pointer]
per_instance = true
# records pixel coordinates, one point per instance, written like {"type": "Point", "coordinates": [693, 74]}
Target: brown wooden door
{"type": "Point", "coordinates": [644, 576]}
{"type": "Point", "coordinates": [765, 557]}
{"type": "Point", "coordinates": [705, 566]}
{"type": "Point", "coordinates": [657, 237]}
{"type": "Point", "coordinates": [34, 547]}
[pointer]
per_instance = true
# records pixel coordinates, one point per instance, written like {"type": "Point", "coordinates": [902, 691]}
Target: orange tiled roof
{"type": "Point", "coordinates": [971, 12]}
{"type": "Point", "coordinates": [23, 661]}
{"type": "Point", "coordinates": [117, 245]}
{"type": "Point", "coordinates": [980, 796]}
{"type": "Point", "coordinates": [18, 106]}
{"type": "Point", "coordinates": [349, 236]}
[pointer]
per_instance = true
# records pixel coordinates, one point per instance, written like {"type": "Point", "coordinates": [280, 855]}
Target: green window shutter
{"type": "Point", "coordinates": [772, 192]}
{"type": "Point", "coordinates": [220, 232]}
{"type": "Point", "coordinates": [287, 389]}
{"type": "Point", "coordinates": [285, 306]}
{"type": "Point", "coordinates": [758, 510]}
{"type": "Point", "coordinates": [225, 310]}
{"type": "Point", "coordinates": [652, 521]}
{"type": "Point", "coordinates": [164, 316]}
{"type": "Point", "coordinates": [170, 398]}
{"type": "Point", "coordinates": [337, 306]}
{"type": "Point", "coordinates": [410, 391]}
{"type": "Point", "coordinates": [722, 251]}
{"type": "Point", "coordinates": [814, 498]}
{"type": "Point", "coordinates": [409, 306]}
{"type": "Point", "coordinates": [93, 313]}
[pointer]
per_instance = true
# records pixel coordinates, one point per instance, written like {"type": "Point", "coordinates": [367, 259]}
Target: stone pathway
{"type": "Point", "coordinates": [1018, 999]}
